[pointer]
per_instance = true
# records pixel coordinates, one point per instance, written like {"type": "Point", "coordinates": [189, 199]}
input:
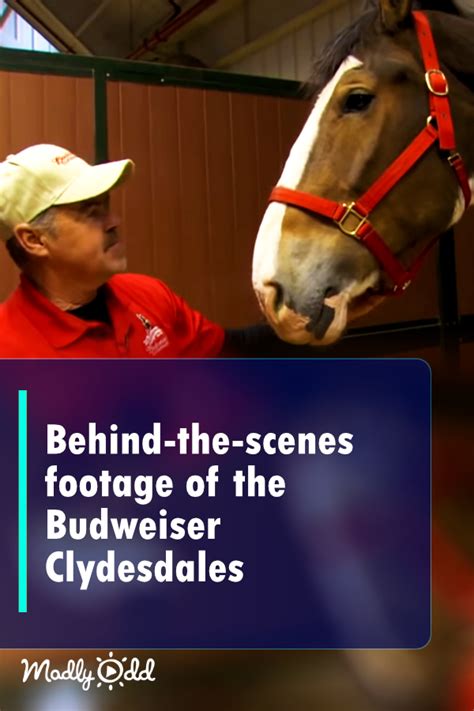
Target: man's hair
{"type": "Point", "coordinates": [43, 221]}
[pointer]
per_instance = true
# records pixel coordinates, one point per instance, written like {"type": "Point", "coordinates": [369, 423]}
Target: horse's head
{"type": "Point", "coordinates": [311, 277]}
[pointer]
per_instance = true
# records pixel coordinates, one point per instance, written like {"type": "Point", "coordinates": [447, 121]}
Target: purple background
{"type": "Point", "coordinates": [341, 561]}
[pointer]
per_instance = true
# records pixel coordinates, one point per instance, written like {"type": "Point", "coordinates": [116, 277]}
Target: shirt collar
{"type": "Point", "coordinates": [59, 327]}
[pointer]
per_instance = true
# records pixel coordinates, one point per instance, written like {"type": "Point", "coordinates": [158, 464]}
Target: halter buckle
{"type": "Point", "coordinates": [454, 158]}
{"type": "Point", "coordinates": [437, 92]}
{"type": "Point", "coordinates": [402, 287]}
{"type": "Point", "coordinates": [350, 212]}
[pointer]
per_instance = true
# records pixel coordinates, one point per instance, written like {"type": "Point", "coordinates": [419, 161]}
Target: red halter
{"type": "Point", "coordinates": [353, 218]}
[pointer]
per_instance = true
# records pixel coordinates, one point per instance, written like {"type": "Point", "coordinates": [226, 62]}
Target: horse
{"type": "Point", "coordinates": [313, 274]}
{"type": "Point", "coordinates": [358, 197]}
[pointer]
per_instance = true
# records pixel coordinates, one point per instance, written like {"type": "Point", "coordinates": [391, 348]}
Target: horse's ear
{"type": "Point", "coordinates": [394, 13]}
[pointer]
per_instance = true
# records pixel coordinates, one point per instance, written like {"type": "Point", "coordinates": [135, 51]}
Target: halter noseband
{"type": "Point", "coordinates": [353, 218]}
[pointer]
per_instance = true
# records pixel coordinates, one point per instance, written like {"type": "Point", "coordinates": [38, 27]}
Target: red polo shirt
{"type": "Point", "coordinates": [148, 321]}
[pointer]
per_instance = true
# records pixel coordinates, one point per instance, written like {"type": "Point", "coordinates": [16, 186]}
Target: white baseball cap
{"type": "Point", "coordinates": [44, 175]}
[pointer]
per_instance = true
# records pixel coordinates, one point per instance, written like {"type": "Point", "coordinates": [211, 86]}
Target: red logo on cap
{"type": "Point", "coordinates": [64, 158]}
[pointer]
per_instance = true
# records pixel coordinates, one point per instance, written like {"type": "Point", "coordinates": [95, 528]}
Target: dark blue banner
{"type": "Point", "coordinates": [215, 504]}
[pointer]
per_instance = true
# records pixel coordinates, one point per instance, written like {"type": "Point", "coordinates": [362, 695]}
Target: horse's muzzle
{"type": "Point", "coordinates": [305, 323]}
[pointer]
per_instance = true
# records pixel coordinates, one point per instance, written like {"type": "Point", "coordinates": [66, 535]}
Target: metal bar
{"type": "Point", "coordinates": [396, 327]}
{"type": "Point", "coordinates": [171, 27]}
{"type": "Point", "coordinates": [398, 338]}
{"type": "Point", "coordinates": [100, 116]}
{"type": "Point", "coordinates": [90, 18]}
{"type": "Point", "coordinates": [465, 329]}
{"type": "Point", "coordinates": [17, 60]}
{"type": "Point", "coordinates": [366, 345]}
{"type": "Point", "coordinates": [7, 11]}
{"type": "Point", "coordinates": [386, 341]}
{"type": "Point", "coordinates": [448, 298]}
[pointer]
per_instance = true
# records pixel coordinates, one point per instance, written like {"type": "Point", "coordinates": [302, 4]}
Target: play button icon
{"type": "Point", "coordinates": [110, 671]}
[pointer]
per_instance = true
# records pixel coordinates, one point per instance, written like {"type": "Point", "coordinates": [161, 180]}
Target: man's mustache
{"type": "Point", "coordinates": [112, 237]}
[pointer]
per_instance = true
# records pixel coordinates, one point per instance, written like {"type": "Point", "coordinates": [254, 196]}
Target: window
{"type": "Point", "coordinates": [17, 33]}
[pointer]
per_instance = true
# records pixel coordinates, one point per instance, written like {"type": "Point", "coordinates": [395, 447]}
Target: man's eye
{"type": "Point", "coordinates": [357, 101]}
{"type": "Point", "coordinates": [95, 211]}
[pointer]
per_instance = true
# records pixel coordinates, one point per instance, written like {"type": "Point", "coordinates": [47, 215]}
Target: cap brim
{"type": "Point", "coordinates": [96, 180]}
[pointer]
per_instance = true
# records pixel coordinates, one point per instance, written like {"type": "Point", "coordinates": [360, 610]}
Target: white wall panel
{"type": "Point", "coordinates": [271, 61]}
{"type": "Point", "coordinates": [341, 16]}
{"type": "Point", "coordinates": [250, 65]}
{"type": "Point", "coordinates": [304, 51]}
{"type": "Point", "coordinates": [287, 51]}
{"type": "Point", "coordinates": [356, 8]}
{"type": "Point", "coordinates": [322, 30]}
{"type": "Point", "coordinates": [291, 57]}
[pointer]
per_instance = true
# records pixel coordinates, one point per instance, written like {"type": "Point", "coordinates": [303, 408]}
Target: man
{"type": "Point", "coordinates": [75, 299]}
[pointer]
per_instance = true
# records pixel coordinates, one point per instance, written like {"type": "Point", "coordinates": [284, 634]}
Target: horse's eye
{"type": "Point", "coordinates": [357, 101]}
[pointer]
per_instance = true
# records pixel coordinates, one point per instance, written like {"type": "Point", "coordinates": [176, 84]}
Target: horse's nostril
{"type": "Point", "coordinates": [278, 295]}
{"type": "Point", "coordinates": [331, 291]}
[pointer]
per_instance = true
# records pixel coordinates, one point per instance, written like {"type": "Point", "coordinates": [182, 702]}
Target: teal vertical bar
{"type": "Point", "coordinates": [22, 501]}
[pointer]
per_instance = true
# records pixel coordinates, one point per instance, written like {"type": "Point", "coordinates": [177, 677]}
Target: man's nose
{"type": "Point", "coordinates": [112, 222]}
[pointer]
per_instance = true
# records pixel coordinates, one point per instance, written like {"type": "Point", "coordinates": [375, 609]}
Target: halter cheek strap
{"type": "Point", "coordinates": [353, 219]}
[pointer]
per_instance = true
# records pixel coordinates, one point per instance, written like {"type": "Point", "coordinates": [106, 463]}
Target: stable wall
{"type": "Point", "coordinates": [206, 161]}
{"type": "Point", "coordinates": [43, 109]}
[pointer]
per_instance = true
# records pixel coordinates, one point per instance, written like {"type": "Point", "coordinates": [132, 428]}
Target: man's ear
{"type": "Point", "coordinates": [32, 239]}
{"type": "Point", "coordinates": [394, 13]}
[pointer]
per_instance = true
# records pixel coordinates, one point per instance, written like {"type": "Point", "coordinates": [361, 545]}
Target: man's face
{"type": "Point", "coordinates": [85, 245]}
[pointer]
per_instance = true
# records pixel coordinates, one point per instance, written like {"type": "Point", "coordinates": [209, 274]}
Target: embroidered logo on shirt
{"type": "Point", "coordinates": [155, 339]}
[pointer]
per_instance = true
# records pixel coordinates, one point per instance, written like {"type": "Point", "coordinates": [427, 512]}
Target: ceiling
{"type": "Point", "coordinates": [120, 28]}
{"type": "Point", "coordinates": [187, 32]}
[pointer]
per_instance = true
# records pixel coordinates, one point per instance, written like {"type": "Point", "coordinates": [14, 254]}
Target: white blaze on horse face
{"type": "Point", "coordinates": [460, 206]}
{"type": "Point", "coordinates": [265, 256]}
{"type": "Point", "coordinates": [466, 8]}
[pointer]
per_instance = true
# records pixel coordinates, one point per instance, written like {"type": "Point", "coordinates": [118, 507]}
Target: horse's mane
{"type": "Point", "coordinates": [362, 31]}
{"type": "Point", "coordinates": [340, 47]}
